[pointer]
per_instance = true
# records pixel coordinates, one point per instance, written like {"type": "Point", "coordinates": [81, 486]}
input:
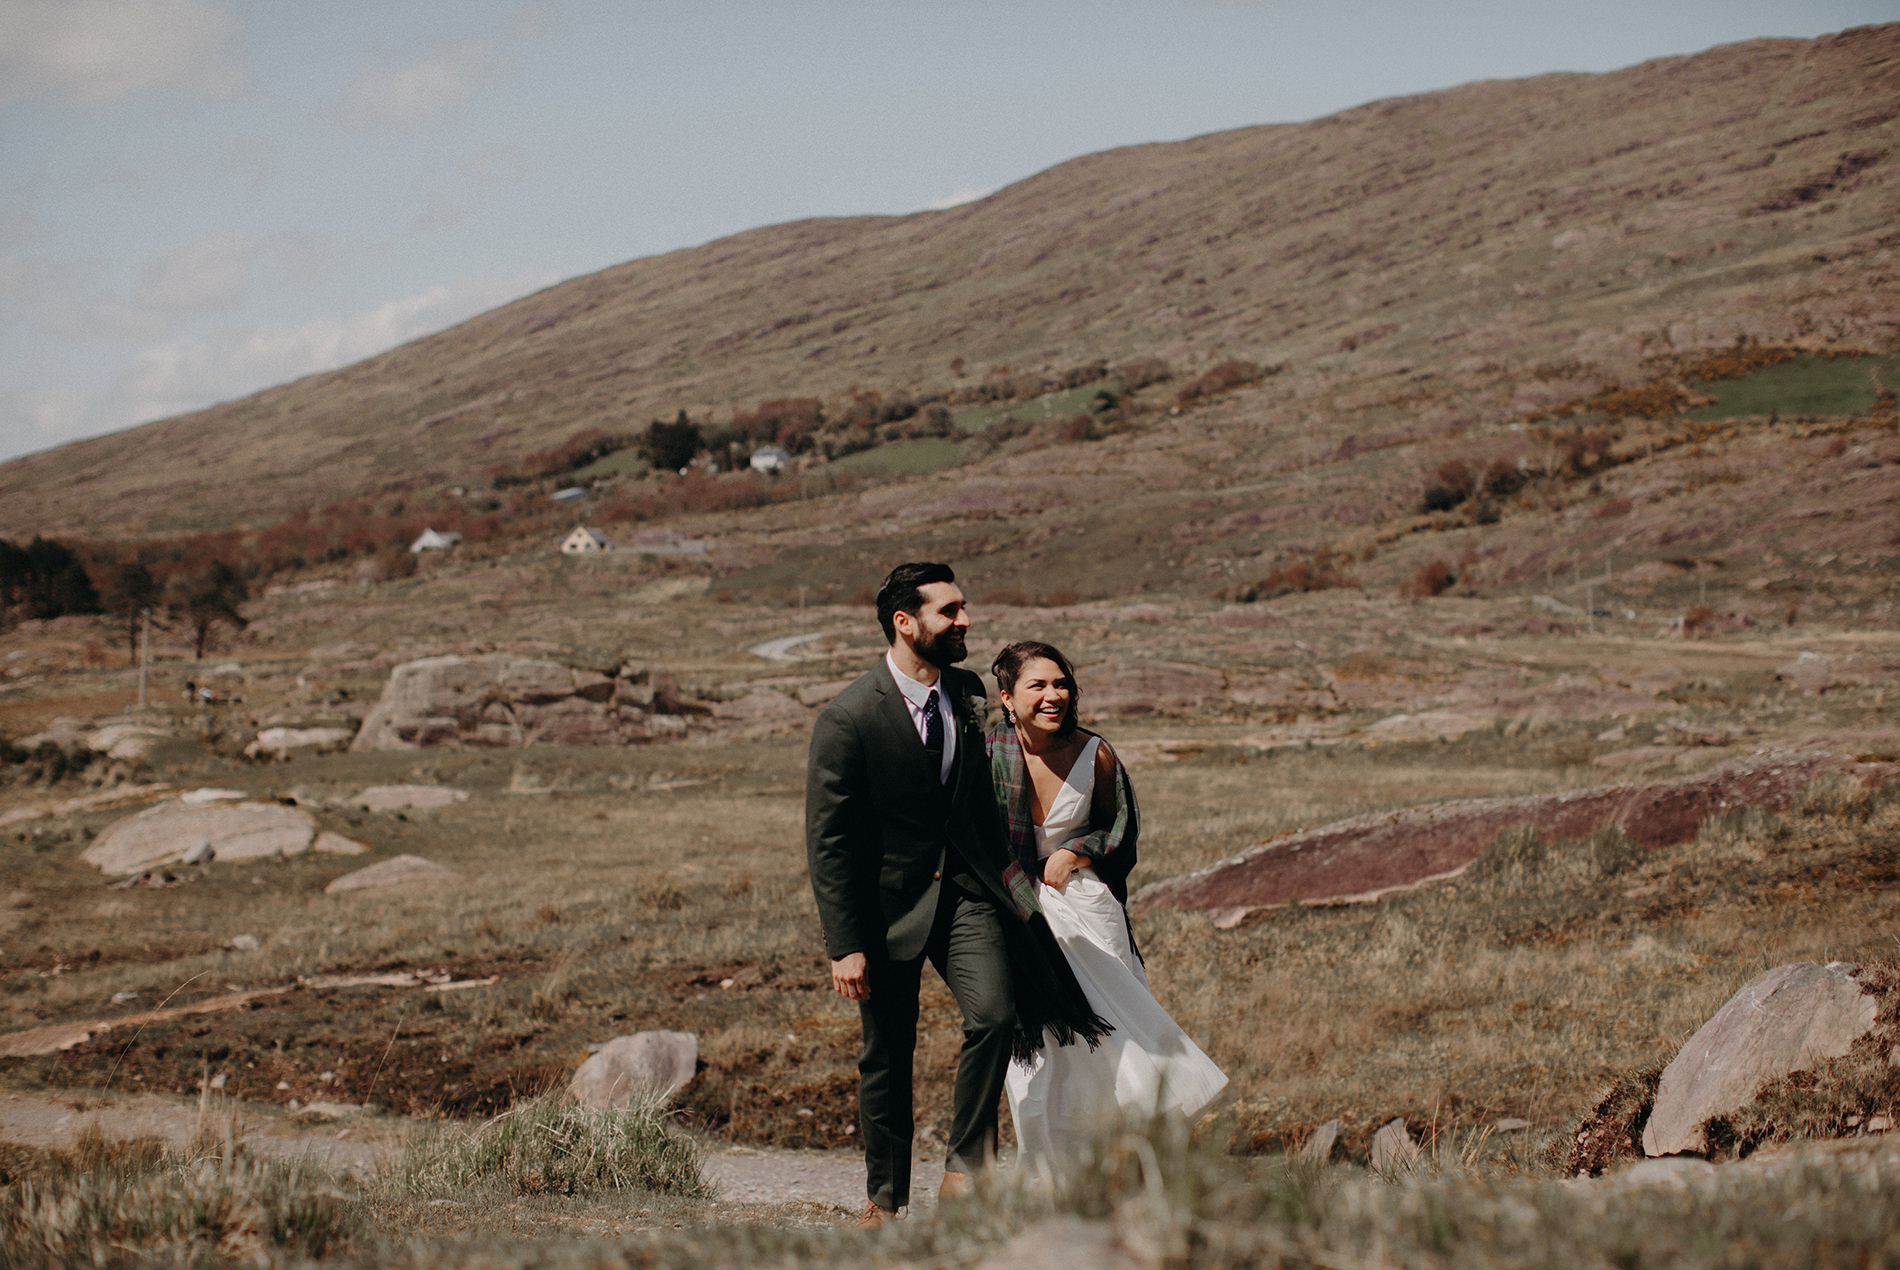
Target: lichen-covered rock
{"type": "Point", "coordinates": [171, 831]}
{"type": "Point", "coordinates": [1783, 1021]}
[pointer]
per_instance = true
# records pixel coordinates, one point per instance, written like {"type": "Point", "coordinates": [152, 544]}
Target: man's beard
{"type": "Point", "coordinates": [945, 649]}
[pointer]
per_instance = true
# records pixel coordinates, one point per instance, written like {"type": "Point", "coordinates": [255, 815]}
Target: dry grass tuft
{"type": "Point", "coordinates": [552, 1145]}
{"type": "Point", "coordinates": [108, 1203]}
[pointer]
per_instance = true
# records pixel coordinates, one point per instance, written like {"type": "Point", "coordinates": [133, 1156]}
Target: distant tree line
{"type": "Point", "coordinates": [43, 579]}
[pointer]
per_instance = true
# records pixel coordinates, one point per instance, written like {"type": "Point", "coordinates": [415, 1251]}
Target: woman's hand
{"type": "Point", "coordinates": [1060, 864]}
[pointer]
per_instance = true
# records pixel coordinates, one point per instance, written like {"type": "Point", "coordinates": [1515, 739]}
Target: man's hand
{"type": "Point", "coordinates": [848, 976]}
{"type": "Point", "coordinates": [1060, 864]}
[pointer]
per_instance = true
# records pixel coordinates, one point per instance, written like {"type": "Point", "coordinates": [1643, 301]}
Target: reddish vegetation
{"type": "Point", "coordinates": [1368, 856]}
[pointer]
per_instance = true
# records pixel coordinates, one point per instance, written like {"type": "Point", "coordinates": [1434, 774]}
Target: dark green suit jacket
{"type": "Point", "coordinates": [878, 823]}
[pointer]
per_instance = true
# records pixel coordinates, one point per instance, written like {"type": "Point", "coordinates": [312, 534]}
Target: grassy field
{"type": "Point", "coordinates": [607, 891]}
{"type": "Point", "coordinates": [1805, 386]}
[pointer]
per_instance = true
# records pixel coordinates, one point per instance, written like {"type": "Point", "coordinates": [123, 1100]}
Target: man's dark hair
{"type": "Point", "coordinates": [1008, 667]}
{"type": "Point", "coordinates": [902, 592]}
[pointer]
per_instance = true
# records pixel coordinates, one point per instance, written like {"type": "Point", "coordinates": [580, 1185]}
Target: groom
{"type": "Point", "coordinates": [909, 862]}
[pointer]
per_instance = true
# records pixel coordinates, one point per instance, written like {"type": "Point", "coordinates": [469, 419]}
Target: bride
{"type": "Point", "coordinates": [1073, 821]}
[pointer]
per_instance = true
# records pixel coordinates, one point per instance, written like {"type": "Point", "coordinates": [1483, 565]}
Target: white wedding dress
{"type": "Point", "coordinates": [1147, 1066]}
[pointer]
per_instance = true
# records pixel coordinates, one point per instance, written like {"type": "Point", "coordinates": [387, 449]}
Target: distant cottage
{"type": "Point", "coordinates": [430, 540]}
{"type": "Point", "coordinates": [770, 458]}
{"type": "Point", "coordinates": [585, 542]}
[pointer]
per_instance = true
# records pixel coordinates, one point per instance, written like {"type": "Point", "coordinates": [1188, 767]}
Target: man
{"type": "Point", "coordinates": [909, 862]}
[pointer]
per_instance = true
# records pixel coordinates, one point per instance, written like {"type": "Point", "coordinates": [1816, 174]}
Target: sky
{"type": "Point", "coordinates": [202, 198]}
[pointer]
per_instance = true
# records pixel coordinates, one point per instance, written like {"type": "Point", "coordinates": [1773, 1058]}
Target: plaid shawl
{"type": "Point", "coordinates": [1110, 851]}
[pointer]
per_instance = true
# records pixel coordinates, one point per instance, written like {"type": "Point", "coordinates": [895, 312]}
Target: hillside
{"type": "Point", "coordinates": [1419, 266]}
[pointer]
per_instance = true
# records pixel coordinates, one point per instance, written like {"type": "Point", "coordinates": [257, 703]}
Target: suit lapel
{"type": "Point", "coordinates": [894, 718]}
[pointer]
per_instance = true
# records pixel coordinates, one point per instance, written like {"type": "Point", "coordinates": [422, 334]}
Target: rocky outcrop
{"type": "Point", "coordinates": [1781, 1022]}
{"type": "Point", "coordinates": [1369, 856]}
{"type": "Point", "coordinates": [282, 742]}
{"type": "Point", "coordinates": [499, 699]}
{"type": "Point", "coordinates": [173, 832]}
{"type": "Point", "coordinates": [644, 1064]}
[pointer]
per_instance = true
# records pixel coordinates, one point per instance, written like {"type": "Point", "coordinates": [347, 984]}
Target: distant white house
{"type": "Point", "coordinates": [585, 542]}
{"type": "Point", "coordinates": [430, 540]}
{"type": "Point", "coordinates": [770, 458]}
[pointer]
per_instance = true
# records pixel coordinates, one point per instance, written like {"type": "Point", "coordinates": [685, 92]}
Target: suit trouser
{"type": "Point", "coordinates": [966, 946]}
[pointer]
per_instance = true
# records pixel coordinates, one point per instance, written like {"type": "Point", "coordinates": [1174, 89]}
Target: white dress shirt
{"type": "Point", "coordinates": [915, 694]}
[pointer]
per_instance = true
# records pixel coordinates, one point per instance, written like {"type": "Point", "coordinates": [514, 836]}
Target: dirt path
{"type": "Point", "coordinates": [363, 1144]}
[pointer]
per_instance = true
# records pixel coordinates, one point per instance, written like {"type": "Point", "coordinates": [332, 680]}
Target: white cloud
{"type": "Point", "coordinates": [411, 95]}
{"type": "Point", "coordinates": [208, 273]}
{"type": "Point", "coordinates": [94, 52]}
{"type": "Point", "coordinates": [184, 374]}
{"type": "Point", "coordinates": [958, 197]}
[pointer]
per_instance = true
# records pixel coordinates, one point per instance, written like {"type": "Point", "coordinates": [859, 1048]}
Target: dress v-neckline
{"type": "Point", "coordinates": [1067, 785]}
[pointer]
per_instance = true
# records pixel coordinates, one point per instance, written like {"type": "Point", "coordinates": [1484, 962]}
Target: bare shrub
{"type": "Point", "coordinates": [1699, 620]}
{"type": "Point", "coordinates": [1143, 371]}
{"type": "Point", "coordinates": [1222, 377]}
{"type": "Point", "coordinates": [1432, 579]}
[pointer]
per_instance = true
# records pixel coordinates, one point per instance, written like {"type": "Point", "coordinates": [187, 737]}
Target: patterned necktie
{"type": "Point", "coordinates": [933, 734]}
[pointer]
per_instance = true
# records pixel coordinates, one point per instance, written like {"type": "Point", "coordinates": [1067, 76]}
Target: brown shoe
{"type": "Point", "coordinates": [956, 1186]}
{"type": "Point", "coordinates": [872, 1217]}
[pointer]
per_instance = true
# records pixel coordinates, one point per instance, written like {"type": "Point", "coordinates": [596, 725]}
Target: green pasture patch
{"type": "Point", "coordinates": [1804, 386]}
{"type": "Point", "coordinates": [1057, 404]}
{"type": "Point", "coordinates": [916, 457]}
{"type": "Point", "coordinates": [619, 463]}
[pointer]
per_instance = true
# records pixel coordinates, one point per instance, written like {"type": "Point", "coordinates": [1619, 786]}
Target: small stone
{"type": "Point", "coordinates": [1319, 1147]}
{"type": "Point", "coordinates": [1879, 1124]}
{"type": "Point", "coordinates": [242, 943]}
{"type": "Point", "coordinates": [329, 843]}
{"type": "Point", "coordinates": [217, 1082]}
{"type": "Point", "coordinates": [407, 797]}
{"type": "Point", "coordinates": [120, 998]}
{"type": "Point", "coordinates": [1510, 1124]}
{"type": "Point", "coordinates": [656, 1061]}
{"type": "Point", "coordinates": [1393, 1150]}
{"type": "Point", "coordinates": [283, 1084]}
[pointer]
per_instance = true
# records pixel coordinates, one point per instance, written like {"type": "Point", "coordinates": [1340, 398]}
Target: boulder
{"type": "Point", "coordinates": [1393, 1150]}
{"type": "Point", "coordinates": [127, 742]}
{"type": "Point", "coordinates": [655, 1062]}
{"type": "Point", "coordinates": [1783, 1021]}
{"type": "Point", "coordinates": [391, 872]}
{"type": "Point", "coordinates": [500, 699]}
{"type": "Point", "coordinates": [406, 797]}
{"type": "Point", "coordinates": [281, 742]}
{"type": "Point", "coordinates": [171, 831]}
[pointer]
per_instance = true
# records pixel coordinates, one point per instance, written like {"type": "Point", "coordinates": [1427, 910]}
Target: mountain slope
{"type": "Point", "coordinates": [1475, 238]}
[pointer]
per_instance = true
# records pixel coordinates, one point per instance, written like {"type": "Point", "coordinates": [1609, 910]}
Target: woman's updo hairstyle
{"type": "Point", "coordinates": [1009, 664]}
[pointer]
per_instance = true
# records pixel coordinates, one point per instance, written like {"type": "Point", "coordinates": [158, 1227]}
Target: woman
{"type": "Point", "coordinates": [1073, 822]}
